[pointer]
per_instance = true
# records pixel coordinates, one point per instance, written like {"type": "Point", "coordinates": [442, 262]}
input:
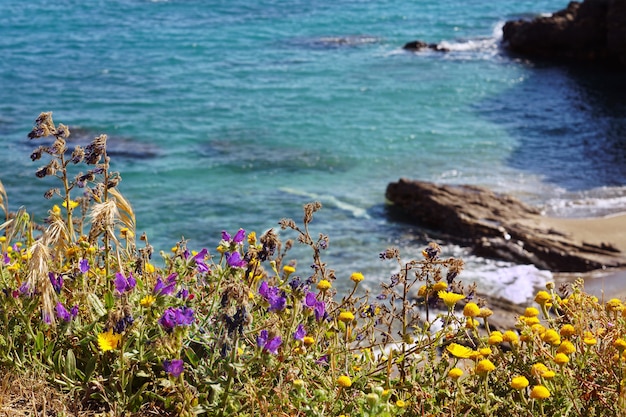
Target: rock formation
{"type": "Point", "coordinates": [594, 31]}
{"type": "Point", "coordinates": [496, 226]}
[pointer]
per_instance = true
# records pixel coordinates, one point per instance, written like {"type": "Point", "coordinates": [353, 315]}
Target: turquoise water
{"type": "Point", "coordinates": [234, 114]}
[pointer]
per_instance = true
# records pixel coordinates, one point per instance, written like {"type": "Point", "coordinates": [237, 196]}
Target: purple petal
{"type": "Point", "coordinates": [63, 313]}
{"type": "Point", "coordinates": [225, 236]}
{"type": "Point", "coordinates": [120, 282]}
{"type": "Point", "coordinates": [264, 290]}
{"type": "Point", "coordinates": [74, 311]}
{"type": "Point", "coordinates": [240, 236]}
{"type": "Point", "coordinates": [261, 339]}
{"type": "Point", "coordinates": [235, 260]}
{"type": "Point", "coordinates": [174, 367]}
{"type": "Point", "coordinates": [83, 265]}
{"type": "Point", "coordinates": [310, 300]}
{"type": "Point", "coordinates": [273, 345]}
{"type": "Point", "coordinates": [6, 258]}
{"type": "Point", "coordinates": [300, 332]}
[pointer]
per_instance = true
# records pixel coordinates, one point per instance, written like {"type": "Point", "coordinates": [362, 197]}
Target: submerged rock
{"type": "Point", "coordinates": [497, 226]}
{"type": "Point", "coordinates": [593, 31]}
{"type": "Point", "coordinates": [417, 45]}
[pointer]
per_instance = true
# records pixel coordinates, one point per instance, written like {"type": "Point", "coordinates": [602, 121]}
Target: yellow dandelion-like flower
{"type": "Point", "coordinates": [440, 286]}
{"type": "Point", "coordinates": [400, 403]}
{"type": "Point", "coordinates": [346, 316]}
{"type": "Point", "coordinates": [539, 392]}
{"type": "Point", "coordinates": [510, 336]}
{"type": "Point", "coordinates": [542, 297]}
{"type": "Point", "coordinates": [495, 338]}
{"type": "Point", "coordinates": [538, 369]}
{"type": "Point", "coordinates": [423, 290]}
{"type": "Point", "coordinates": [450, 298]}
{"type": "Point", "coordinates": [252, 238]}
{"type": "Point", "coordinates": [519, 382]}
{"type": "Point", "coordinates": [551, 337]}
{"type": "Point", "coordinates": [298, 383]}
{"type": "Point", "coordinates": [108, 340]}
{"type": "Point", "coordinates": [471, 310]}
{"type": "Point", "coordinates": [289, 269]}
{"type": "Point", "coordinates": [149, 268]}
{"type": "Point", "coordinates": [126, 233]}
{"type": "Point", "coordinates": [357, 277]}
{"type": "Point", "coordinates": [486, 351]}
{"type": "Point", "coordinates": [455, 373]}
{"type": "Point", "coordinates": [620, 344]}
{"type": "Point", "coordinates": [566, 347]}
{"type": "Point", "coordinates": [485, 312]}
{"type": "Point", "coordinates": [73, 204]}
{"type": "Point", "coordinates": [459, 351]}
{"type": "Point", "coordinates": [470, 323]}
{"type": "Point", "coordinates": [548, 374]}
{"type": "Point", "coordinates": [567, 330]}
{"type": "Point", "coordinates": [324, 285]}
{"type": "Point", "coordinates": [485, 366]}
{"type": "Point", "coordinates": [147, 301]}
{"type": "Point", "coordinates": [538, 329]}
{"type": "Point", "coordinates": [56, 210]}
{"type": "Point", "coordinates": [344, 381]}
{"type": "Point", "coordinates": [561, 359]}
{"type": "Point", "coordinates": [531, 321]}
{"type": "Point", "coordinates": [614, 305]}
{"type": "Point", "coordinates": [531, 312]}
{"type": "Point", "coordinates": [590, 341]}
{"type": "Point", "coordinates": [308, 340]}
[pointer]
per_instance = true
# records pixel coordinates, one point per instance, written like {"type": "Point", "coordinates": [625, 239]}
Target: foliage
{"type": "Point", "coordinates": [241, 330]}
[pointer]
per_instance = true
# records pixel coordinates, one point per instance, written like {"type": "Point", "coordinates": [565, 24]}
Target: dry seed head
{"type": "Point", "coordinates": [38, 277]}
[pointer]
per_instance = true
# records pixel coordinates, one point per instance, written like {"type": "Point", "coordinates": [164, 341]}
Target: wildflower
{"type": "Point", "coordinates": [519, 382]}
{"type": "Point", "coordinates": [289, 269]}
{"type": "Point", "coordinates": [531, 321]}
{"type": "Point", "coordinates": [440, 286]}
{"type": "Point", "coordinates": [455, 373]}
{"type": "Point", "coordinates": [149, 268]}
{"type": "Point", "coordinates": [173, 367]}
{"type": "Point", "coordinates": [459, 351]}
{"type": "Point", "coordinates": [548, 374]}
{"type": "Point", "coordinates": [471, 310]}
{"type": "Point", "coordinates": [485, 366]}
{"type": "Point", "coordinates": [252, 238]}
{"type": "Point", "coordinates": [485, 351]}
{"type": "Point", "coordinates": [450, 298]}
{"type": "Point", "coordinates": [344, 381]}
{"type": "Point", "coordinates": [108, 340]}
{"type": "Point", "coordinates": [124, 284]}
{"type": "Point", "coordinates": [590, 340]}
{"type": "Point", "coordinates": [73, 204]}
{"type": "Point", "coordinates": [57, 281]}
{"type": "Point", "coordinates": [620, 344]}
{"type": "Point", "coordinates": [551, 337]}
{"type": "Point", "coordinates": [324, 285]}
{"type": "Point", "coordinates": [271, 345]}
{"type": "Point", "coordinates": [495, 338]}
{"type": "Point", "coordinates": [346, 316]}
{"type": "Point", "coordinates": [147, 301]}
{"type": "Point", "coordinates": [470, 323]}
{"type": "Point", "coordinates": [614, 305]}
{"type": "Point", "coordinates": [561, 359]}
{"type": "Point", "coordinates": [531, 312]}
{"type": "Point", "coordinates": [235, 260]}
{"type": "Point", "coordinates": [198, 258]}
{"type": "Point", "coordinates": [308, 340]}
{"type": "Point", "coordinates": [126, 233]}
{"type": "Point", "coordinates": [273, 296]}
{"type": "Point", "coordinates": [539, 392]}
{"type": "Point", "coordinates": [485, 312]}
{"type": "Point", "coordinates": [65, 315]}
{"type": "Point", "coordinates": [538, 369]}
{"type": "Point", "coordinates": [542, 297]}
{"type": "Point", "coordinates": [567, 330]}
{"type": "Point", "coordinates": [83, 266]}
{"type": "Point", "coordinates": [319, 307]}
{"type": "Point", "coordinates": [165, 287]}
{"type": "Point", "coordinates": [566, 347]}
{"type": "Point", "coordinates": [400, 403]}
{"type": "Point", "coordinates": [179, 316]}
{"type": "Point", "coordinates": [298, 383]}
{"type": "Point", "coordinates": [299, 333]}
{"type": "Point", "coordinates": [357, 277]}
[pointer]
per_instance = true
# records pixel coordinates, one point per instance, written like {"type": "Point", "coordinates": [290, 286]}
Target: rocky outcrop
{"type": "Point", "coordinates": [594, 30]}
{"type": "Point", "coordinates": [415, 46]}
{"type": "Point", "coordinates": [496, 226]}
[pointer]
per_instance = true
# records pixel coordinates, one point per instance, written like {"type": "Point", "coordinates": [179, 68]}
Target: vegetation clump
{"type": "Point", "coordinates": [242, 330]}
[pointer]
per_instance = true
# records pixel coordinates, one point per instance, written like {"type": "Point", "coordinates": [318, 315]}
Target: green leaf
{"type": "Point", "coordinates": [109, 300]}
{"type": "Point", "coordinates": [97, 305]}
{"type": "Point", "coordinates": [70, 364]}
{"type": "Point", "coordinates": [90, 367]}
{"type": "Point", "coordinates": [39, 341]}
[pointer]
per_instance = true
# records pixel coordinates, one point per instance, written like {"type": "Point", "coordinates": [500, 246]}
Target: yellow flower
{"type": "Point", "coordinates": [149, 268]}
{"type": "Point", "coordinates": [323, 285]}
{"type": "Point", "coordinates": [485, 351]}
{"type": "Point", "coordinates": [459, 351]}
{"type": "Point", "coordinates": [400, 404]}
{"type": "Point", "coordinates": [538, 328]}
{"type": "Point", "coordinates": [589, 339]}
{"type": "Point", "coordinates": [357, 277]}
{"type": "Point", "coordinates": [620, 344]}
{"type": "Point", "coordinates": [289, 269]}
{"type": "Point", "coordinates": [531, 321]}
{"type": "Point", "coordinates": [108, 341]}
{"type": "Point", "coordinates": [471, 310]}
{"type": "Point", "coordinates": [614, 304]}
{"type": "Point", "coordinates": [510, 336]}
{"type": "Point", "coordinates": [73, 204]}
{"type": "Point", "coordinates": [308, 340]}
{"type": "Point", "coordinates": [56, 209]}
{"type": "Point", "coordinates": [344, 381]}
{"type": "Point", "coordinates": [539, 392]}
{"type": "Point", "coordinates": [566, 347]}
{"type": "Point", "coordinates": [346, 316]}
{"type": "Point", "coordinates": [542, 297]}
{"type": "Point", "coordinates": [470, 323]}
{"type": "Point", "coordinates": [567, 330]}
{"type": "Point", "coordinates": [450, 298]}
{"type": "Point", "coordinates": [561, 359]}
{"type": "Point", "coordinates": [147, 301]}
{"type": "Point", "coordinates": [252, 238]}
{"type": "Point", "coordinates": [531, 312]}
{"type": "Point", "coordinates": [519, 382]}
{"type": "Point", "coordinates": [495, 338]}
{"type": "Point", "coordinates": [455, 373]}
{"type": "Point", "coordinates": [440, 286]}
{"type": "Point", "coordinates": [551, 337]}
{"type": "Point", "coordinates": [548, 374]}
{"type": "Point", "coordinates": [298, 383]}
{"type": "Point", "coordinates": [126, 233]}
{"type": "Point", "coordinates": [485, 312]}
{"type": "Point", "coordinates": [538, 369]}
{"type": "Point", "coordinates": [423, 290]}
{"type": "Point", "coordinates": [485, 366]}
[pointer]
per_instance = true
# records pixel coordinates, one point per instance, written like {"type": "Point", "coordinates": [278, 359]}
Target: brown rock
{"type": "Point", "coordinates": [497, 226]}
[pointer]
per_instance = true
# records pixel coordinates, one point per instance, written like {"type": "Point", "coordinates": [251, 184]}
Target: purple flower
{"type": "Point", "coordinates": [225, 236]}
{"type": "Point", "coordinates": [174, 367]}
{"type": "Point", "coordinates": [319, 307]}
{"type": "Point", "coordinates": [270, 345]}
{"type": "Point", "coordinates": [74, 311]}
{"type": "Point", "coordinates": [63, 313]}
{"type": "Point", "coordinates": [184, 293]}
{"type": "Point", "coordinates": [123, 284]}
{"type": "Point", "coordinates": [25, 289]}
{"type": "Point", "coordinates": [234, 260]}
{"type": "Point", "coordinates": [176, 316]}
{"type": "Point", "coordinates": [83, 265]}
{"type": "Point", "coordinates": [200, 264]}
{"type": "Point", "coordinates": [240, 236]}
{"type": "Point", "coordinates": [5, 258]}
{"type": "Point", "coordinates": [56, 280]}
{"type": "Point", "coordinates": [167, 287]}
{"type": "Point", "coordinates": [300, 332]}
{"type": "Point", "coordinates": [273, 296]}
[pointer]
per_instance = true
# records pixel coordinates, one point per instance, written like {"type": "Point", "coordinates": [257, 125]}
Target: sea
{"type": "Point", "coordinates": [234, 114]}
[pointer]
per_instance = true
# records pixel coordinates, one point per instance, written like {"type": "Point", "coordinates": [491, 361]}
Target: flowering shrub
{"type": "Point", "coordinates": [241, 330]}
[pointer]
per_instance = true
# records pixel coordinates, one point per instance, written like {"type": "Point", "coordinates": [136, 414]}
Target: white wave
{"type": "Point", "coordinates": [602, 201]}
{"type": "Point", "coordinates": [330, 201]}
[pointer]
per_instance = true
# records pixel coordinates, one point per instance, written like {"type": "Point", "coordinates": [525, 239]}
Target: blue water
{"type": "Point", "coordinates": [228, 114]}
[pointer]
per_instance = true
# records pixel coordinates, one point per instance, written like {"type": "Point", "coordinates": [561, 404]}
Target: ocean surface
{"type": "Point", "coordinates": [229, 114]}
